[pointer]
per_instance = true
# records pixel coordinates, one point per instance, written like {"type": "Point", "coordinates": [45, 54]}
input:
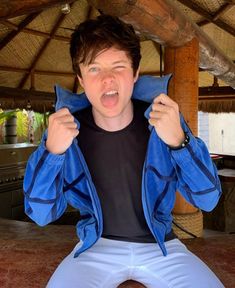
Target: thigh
{"type": "Point", "coordinates": [103, 265]}
{"type": "Point", "coordinates": [179, 269]}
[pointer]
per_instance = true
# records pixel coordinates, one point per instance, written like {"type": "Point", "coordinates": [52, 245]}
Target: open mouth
{"type": "Point", "coordinates": [110, 98]}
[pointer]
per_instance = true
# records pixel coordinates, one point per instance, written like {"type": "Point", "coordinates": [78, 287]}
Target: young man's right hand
{"type": "Point", "coordinates": [62, 129]}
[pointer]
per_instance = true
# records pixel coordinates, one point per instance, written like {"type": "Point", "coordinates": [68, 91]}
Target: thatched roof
{"type": "Point", "coordinates": [216, 99]}
{"type": "Point", "coordinates": [34, 50]}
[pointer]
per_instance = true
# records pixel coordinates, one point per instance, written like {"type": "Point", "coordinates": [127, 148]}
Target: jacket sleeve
{"type": "Point", "coordinates": [43, 186]}
{"type": "Point", "coordinates": [197, 176]}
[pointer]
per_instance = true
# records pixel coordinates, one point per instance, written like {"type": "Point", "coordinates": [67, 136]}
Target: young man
{"type": "Point", "coordinates": [118, 153]}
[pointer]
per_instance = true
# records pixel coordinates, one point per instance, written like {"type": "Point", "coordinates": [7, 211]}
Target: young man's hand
{"type": "Point", "coordinates": [61, 131]}
{"type": "Point", "coordinates": [165, 118]}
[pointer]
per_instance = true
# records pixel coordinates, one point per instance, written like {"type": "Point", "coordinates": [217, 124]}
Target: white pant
{"type": "Point", "coordinates": [109, 263]}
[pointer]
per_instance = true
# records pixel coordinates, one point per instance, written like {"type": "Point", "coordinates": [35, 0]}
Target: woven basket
{"type": "Point", "coordinates": [191, 222]}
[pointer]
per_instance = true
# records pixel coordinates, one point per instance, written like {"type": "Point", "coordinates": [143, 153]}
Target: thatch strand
{"type": "Point", "coordinates": [213, 106]}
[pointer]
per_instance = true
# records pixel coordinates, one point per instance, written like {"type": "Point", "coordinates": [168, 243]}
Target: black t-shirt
{"type": "Point", "coordinates": [115, 161]}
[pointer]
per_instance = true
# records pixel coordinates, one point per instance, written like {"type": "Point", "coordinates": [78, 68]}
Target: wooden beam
{"type": "Point", "coordinates": [209, 18]}
{"type": "Point", "coordinates": [230, 1]}
{"type": "Point", "coordinates": [13, 69]}
{"type": "Point", "coordinates": [9, 25]}
{"type": "Point", "coordinates": [163, 22]}
{"type": "Point", "coordinates": [224, 26]}
{"type": "Point", "coordinates": [216, 99]}
{"type": "Point", "coordinates": [223, 9]}
{"type": "Point", "coordinates": [14, 33]}
{"type": "Point", "coordinates": [43, 48]}
{"type": "Point", "coordinates": [46, 35]}
{"type": "Point", "coordinates": [89, 12]}
{"type": "Point", "coordinates": [39, 72]}
{"type": "Point", "coordinates": [32, 82]}
{"type": "Point", "coordinates": [12, 98]}
{"type": "Point", "coordinates": [12, 26]}
{"type": "Point", "coordinates": [158, 48]}
{"type": "Point", "coordinates": [13, 8]}
{"type": "Point", "coordinates": [216, 93]}
{"type": "Point", "coordinates": [23, 94]}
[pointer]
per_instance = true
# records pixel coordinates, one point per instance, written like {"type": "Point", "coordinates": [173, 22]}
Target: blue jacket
{"type": "Point", "coordinates": [52, 181]}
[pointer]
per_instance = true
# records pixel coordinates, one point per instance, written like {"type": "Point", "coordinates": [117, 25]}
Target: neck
{"type": "Point", "coordinates": [115, 123]}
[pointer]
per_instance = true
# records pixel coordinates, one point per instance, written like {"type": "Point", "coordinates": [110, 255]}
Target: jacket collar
{"type": "Point", "coordinates": [146, 89]}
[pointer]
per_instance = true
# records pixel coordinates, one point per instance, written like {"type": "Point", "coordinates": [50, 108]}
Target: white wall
{"type": "Point", "coordinates": [203, 127]}
{"type": "Point", "coordinates": [222, 133]}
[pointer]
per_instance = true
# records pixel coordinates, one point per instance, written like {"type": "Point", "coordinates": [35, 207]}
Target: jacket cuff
{"type": "Point", "coordinates": [51, 159]}
{"type": "Point", "coordinates": [184, 155]}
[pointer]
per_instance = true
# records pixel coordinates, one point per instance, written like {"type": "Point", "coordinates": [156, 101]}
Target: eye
{"type": "Point", "coordinates": [93, 69]}
{"type": "Point", "coordinates": [119, 67]}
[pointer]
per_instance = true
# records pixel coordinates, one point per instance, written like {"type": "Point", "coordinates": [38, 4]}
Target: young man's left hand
{"type": "Point", "coordinates": [165, 118]}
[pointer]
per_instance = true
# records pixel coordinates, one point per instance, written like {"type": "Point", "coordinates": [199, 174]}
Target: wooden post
{"type": "Point", "coordinates": [182, 62]}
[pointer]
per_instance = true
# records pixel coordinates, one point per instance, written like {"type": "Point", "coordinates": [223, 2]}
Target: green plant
{"type": "Point", "coordinates": [5, 115]}
{"type": "Point", "coordinates": [21, 124]}
{"type": "Point", "coordinates": [40, 124]}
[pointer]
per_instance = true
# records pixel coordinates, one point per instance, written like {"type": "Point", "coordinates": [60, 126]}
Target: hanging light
{"type": "Point", "coordinates": [65, 8]}
{"type": "Point", "coordinates": [28, 106]}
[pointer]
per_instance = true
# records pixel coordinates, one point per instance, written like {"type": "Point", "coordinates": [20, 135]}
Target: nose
{"type": "Point", "coordinates": [107, 77]}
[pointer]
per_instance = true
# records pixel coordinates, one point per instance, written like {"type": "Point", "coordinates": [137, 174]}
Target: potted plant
{"type": "Point", "coordinates": [15, 123]}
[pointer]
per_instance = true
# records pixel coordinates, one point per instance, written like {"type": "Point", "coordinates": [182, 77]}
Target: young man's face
{"type": "Point", "coordinates": [108, 83]}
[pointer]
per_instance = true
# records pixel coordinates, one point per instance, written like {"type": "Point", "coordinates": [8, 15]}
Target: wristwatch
{"type": "Point", "coordinates": [183, 144]}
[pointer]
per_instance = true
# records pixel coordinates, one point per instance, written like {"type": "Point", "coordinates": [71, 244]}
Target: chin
{"type": "Point", "coordinates": [111, 114]}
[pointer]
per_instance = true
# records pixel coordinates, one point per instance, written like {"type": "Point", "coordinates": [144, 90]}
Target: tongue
{"type": "Point", "coordinates": [109, 101]}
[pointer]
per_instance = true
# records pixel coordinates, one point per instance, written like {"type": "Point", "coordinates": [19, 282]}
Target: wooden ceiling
{"type": "Point", "coordinates": [34, 48]}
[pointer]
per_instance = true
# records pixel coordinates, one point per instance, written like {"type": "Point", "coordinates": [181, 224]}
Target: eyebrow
{"type": "Point", "coordinates": [113, 63]}
{"type": "Point", "coordinates": [120, 61]}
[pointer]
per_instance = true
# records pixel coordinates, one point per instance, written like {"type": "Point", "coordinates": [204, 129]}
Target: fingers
{"type": "Point", "coordinates": [70, 125]}
{"type": "Point", "coordinates": [62, 111]}
{"type": "Point", "coordinates": [156, 114]}
{"type": "Point", "coordinates": [163, 99]}
{"type": "Point", "coordinates": [154, 122]}
{"type": "Point", "coordinates": [64, 119]}
{"type": "Point", "coordinates": [72, 129]}
{"type": "Point", "coordinates": [62, 129]}
{"type": "Point", "coordinates": [63, 115]}
{"type": "Point", "coordinates": [156, 107]}
{"type": "Point", "coordinates": [163, 106]}
{"type": "Point", "coordinates": [70, 132]}
{"type": "Point", "coordinates": [166, 120]}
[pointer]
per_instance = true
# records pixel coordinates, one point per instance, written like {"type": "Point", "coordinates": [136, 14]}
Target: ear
{"type": "Point", "coordinates": [137, 75]}
{"type": "Point", "coordinates": [80, 81]}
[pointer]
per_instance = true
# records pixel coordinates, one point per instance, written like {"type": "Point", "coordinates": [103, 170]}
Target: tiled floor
{"type": "Point", "coordinates": [29, 254]}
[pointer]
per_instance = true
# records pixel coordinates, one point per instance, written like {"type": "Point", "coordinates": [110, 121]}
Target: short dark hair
{"type": "Point", "coordinates": [104, 32]}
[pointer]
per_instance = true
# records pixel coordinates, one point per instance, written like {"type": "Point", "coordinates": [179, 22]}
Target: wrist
{"type": "Point", "coordinates": [52, 149]}
{"type": "Point", "coordinates": [182, 144]}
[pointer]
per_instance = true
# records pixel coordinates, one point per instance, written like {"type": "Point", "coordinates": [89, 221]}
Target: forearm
{"type": "Point", "coordinates": [43, 186]}
{"type": "Point", "coordinates": [197, 175]}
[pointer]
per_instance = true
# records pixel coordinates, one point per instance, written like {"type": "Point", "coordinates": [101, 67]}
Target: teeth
{"type": "Point", "coordinates": [111, 92]}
